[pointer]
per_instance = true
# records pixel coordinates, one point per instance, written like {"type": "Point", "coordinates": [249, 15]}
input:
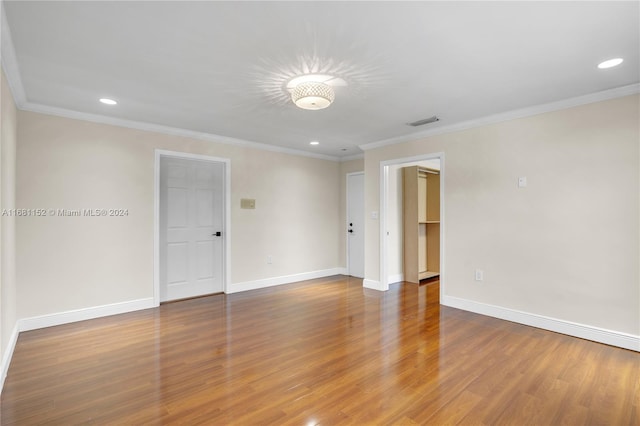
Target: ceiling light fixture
{"type": "Point", "coordinates": [312, 95]}
{"type": "Point", "coordinates": [610, 63]}
{"type": "Point", "coordinates": [314, 143]}
{"type": "Point", "coordinates": [108, 101]}
{"type": "Point", "coordinates": [313, 91]}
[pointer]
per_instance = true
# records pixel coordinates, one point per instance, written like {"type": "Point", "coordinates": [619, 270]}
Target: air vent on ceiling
{"type": "Point", "coordinates": [424, 121]}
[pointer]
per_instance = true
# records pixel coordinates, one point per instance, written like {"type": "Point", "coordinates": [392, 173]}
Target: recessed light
{"type": "Point", "coordinates": [314, 143]}
{"type": "Point", "coordinates": [108, 101]}
{"type": "Point", "coordinates": [610, 63]}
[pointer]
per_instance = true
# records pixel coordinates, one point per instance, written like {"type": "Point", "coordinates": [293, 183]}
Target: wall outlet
{"type": "Point", "coordinates": [269, 260]}
{"type": "Point", "coordinates": [479, 275]}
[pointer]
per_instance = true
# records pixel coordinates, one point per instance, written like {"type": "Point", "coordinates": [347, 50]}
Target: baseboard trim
{"type": "Point", "coordinates": [396, 278]}
{"type": "Point", "coordinates": [372, 284]}
{"type": "Point", "coordinates": [285, 279]}
{"type": "Point", "coordinates": [341, 271]}
{"type": "Point", "coordinates": [8, 354]}
{"type": "Point", "coordinates": [51, 320]}
{"type": "Point", "coordinates": [596, 334]}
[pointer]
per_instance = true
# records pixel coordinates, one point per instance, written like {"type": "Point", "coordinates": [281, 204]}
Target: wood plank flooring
{"type": "Point", "coordinates": [324, 352]}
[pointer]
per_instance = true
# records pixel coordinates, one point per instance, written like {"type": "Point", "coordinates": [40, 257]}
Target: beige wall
{"type": "Point", "coordinates": [346, 167]}
{"type": "Point", "coordinates": [566, 246]}
{"type": "Point", "coordinates": [67, 263]}
{"type": "Point", "coordinates": [8, 223]}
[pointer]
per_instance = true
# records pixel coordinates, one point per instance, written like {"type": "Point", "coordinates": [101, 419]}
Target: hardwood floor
{"type": "Point", "coordinates": [325, 352]}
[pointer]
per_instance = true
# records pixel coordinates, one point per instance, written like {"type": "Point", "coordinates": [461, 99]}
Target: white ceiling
{"type": "Point", "coordinates": [221, 67]}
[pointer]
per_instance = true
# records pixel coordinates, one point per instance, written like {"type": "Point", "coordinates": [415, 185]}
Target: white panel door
{"type": "Point", "coordinates": [355, 224]}
{"type": "Point", "coordinates": [191, 228]}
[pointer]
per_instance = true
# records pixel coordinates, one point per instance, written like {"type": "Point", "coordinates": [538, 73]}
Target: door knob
{"type": "Point", "coordinates": [217, 234]}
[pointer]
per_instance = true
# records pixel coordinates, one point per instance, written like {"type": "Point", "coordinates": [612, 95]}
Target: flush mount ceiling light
{"type": "Point", "coordinates": [108, 101]}
{"type": "Point", "coordinates": [610, 63]}
{"type": "Point", "coordinates": [313, 91]}
{"type": "Point", "coordinates": [314, 143]}
{"type": "Point", "coordinates": [312, 95]}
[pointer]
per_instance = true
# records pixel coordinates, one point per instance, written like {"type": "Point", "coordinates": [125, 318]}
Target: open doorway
{"type": "Point", "coordinates": [391, 224]}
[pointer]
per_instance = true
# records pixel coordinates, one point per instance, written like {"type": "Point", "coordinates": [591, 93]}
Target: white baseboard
{"type": "Point", "coordinates": [50, 320]}
{"type": "Point", "coordinates": [341, 271]}
{"type": "Point", "coordinates": [396, 278]}
{"type": "Point", "coordinates": [596, 334]}
{"type": "Point", "coordinates": [286, 279]}
{"type": "Point", "coordinates": [8, 353]}
{"type": "Point", "coordinates": [374, 285]}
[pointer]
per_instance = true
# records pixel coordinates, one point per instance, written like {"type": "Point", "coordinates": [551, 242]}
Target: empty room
{"type": "Point", "coordinates": [320, 213]}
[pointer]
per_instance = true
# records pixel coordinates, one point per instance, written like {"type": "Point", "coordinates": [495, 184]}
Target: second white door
{"type": "Point", "coordinates": [355, 224]}
{"type": "Point", "coordinates": [191, 227]}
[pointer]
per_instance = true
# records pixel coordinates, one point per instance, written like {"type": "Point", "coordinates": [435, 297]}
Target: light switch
{"type": "Point", "coordinates": [247, 203]}
{"type": "Point", "coordinates": [522, 182]}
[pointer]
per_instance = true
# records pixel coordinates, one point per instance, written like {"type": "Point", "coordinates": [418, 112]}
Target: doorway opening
{"type": "Point", "coordinates": [191, 225]}
{"type": "Point", "coordinates": [391, 217]}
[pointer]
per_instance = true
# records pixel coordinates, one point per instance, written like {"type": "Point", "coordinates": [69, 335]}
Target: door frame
{"type": "Point", "coordinates": [346, 218]}
{"type": "Point", "coordinates": [384, 205]}
{"type": "Point", "coordinates": [226, 250]}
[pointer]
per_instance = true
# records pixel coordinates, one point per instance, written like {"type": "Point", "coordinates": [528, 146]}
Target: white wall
{"type": "Point", "coordinates": [395, 238]}
{"type": "Point", "coordinates": [565, 247]}
{"type": "Point", "coordinates": [8, 223]}
{"type": "Point", "coordinates": [68, 263]}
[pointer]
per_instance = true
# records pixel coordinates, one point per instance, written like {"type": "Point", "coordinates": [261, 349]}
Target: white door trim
{"type": "Point", "coordinates": [384, 192]}
{"type": "Point", "coordinates": [346, 217]}
{"type": "Point", "coordinates": [226, 252]}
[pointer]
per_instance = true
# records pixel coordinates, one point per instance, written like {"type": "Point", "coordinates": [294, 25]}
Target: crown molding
{"type": "Point", "coordinates": [352, 157]}
{"type": "Point", "coordinates": [9, 61]}
{"type": "Point", "coordinates": [12, 71]}
{"type": "Point", "coordinates": [167, 130]}
{"type": "Point", "coordinates": [604, 95]}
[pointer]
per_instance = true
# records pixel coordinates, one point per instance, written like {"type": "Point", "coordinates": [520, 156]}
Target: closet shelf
{"type": "Point", "coordinates": [427, 274]}
{"type": "Point", "coordinates": [421, 208]}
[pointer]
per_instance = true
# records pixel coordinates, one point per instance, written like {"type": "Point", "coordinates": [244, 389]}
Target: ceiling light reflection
{"type": "Point", "coordinates": [277, 78]}
{"type": "Point", "coordinates": [610, 63]}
